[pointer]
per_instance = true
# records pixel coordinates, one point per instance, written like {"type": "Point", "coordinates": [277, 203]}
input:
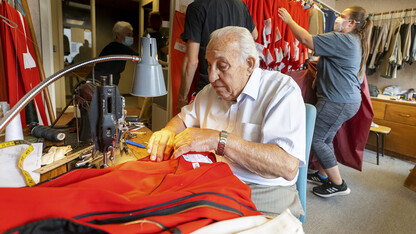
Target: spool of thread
{"type": "Point", "coordinates": [30, 112]}
{"type": "Point", "coordinates": [48, 133]}
{"type": "Point", "coordinates": [14, 129]}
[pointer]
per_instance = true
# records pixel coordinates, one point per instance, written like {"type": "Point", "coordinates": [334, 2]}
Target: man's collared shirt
{"type": "Point", "coordinates": [269, 110]}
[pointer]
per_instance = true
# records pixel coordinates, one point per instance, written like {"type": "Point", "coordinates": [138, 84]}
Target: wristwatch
{"type": "Point", "coordinates": [222, 142]}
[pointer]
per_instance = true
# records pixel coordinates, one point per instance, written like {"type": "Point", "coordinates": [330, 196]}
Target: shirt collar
{"type": "Point", "coordinates": [253, 84]}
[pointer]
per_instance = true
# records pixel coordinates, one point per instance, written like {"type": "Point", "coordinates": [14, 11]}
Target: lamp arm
{"type": "Point", "coordinates": [42, 85]}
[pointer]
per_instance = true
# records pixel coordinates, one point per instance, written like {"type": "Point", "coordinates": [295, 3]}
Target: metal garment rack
{"type": "Point", "coordinates": [404, 13]}
{"type": "Point", "coordinates": [328, 7]}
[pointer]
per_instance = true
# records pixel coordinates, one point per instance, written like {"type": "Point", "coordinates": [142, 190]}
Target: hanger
{"type": "Point", "coordinates": [8, 22]}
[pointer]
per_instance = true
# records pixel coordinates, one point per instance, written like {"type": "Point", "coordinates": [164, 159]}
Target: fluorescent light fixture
{"type": "Point", "coordinates": [79, 5]}
{"type": "Point", "coordinates": [75, 22]}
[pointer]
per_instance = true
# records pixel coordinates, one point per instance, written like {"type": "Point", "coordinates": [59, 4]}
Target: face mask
{"type": "Point", "coordinates": [338, 24]}
{"type": "Point", "coordinates": [128, 41]}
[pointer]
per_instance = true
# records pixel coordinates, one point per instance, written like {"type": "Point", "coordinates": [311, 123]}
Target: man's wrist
{"type": "Point", "coordinates": [222, 142]}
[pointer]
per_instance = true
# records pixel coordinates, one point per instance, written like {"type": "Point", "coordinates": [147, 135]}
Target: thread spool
{"type": "Point", "coordinates": [48, 133]}
{"type": "Point", "coordinates": [14, 129]}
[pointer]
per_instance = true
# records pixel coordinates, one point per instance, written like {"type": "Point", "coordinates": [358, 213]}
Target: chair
{"type": "Point", "coordinates": [380, 130]}
{"type": "Point", "coordinates": [303, 171]}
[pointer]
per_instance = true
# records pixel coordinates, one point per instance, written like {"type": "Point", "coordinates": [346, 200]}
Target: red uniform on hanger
{"type": "Point", "coordinates": [21, 71]}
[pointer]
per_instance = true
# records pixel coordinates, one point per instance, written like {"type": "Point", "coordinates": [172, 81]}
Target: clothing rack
{"type": "Point", "coordinates": [404, 13]}
{"type": "Point", "coordinates": [327, 6]}
{"type": "Point", "coordinates": [397, 11]}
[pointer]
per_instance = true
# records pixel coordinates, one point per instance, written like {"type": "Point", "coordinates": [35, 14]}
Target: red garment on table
{"type": "Point", "coordinates": [134, 197]}
{"type": "Point", "coordinates": [350, 140]}
{"type": "Point", "coordinates": [16, 42]}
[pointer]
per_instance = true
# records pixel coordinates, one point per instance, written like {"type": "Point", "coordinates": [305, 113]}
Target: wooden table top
{"type": "Point", "coordinates": [134, 153]}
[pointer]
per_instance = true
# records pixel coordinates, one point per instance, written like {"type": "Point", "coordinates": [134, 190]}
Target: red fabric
{"type": "Point", "coordinates": [100, 198]}
{"type": "Point", "coordinates": [350, 140]}
{"type": "Point", "coordinates": [263, 10]}
{"type": "Point", "coordinates": [177, 57]}
{"type": "Point", "coordinates": [19, 80]}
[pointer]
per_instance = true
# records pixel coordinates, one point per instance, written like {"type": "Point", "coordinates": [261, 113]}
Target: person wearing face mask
{"type": "Point", "coordinates": [340, 71]}
{"type": "Point", "coordinates": [249, 116]}
{"type": "Point", "coordinates": [123, 39]}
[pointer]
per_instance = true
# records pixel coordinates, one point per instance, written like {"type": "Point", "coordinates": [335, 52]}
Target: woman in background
{"type": "Point", "coordinates": [343, 55]}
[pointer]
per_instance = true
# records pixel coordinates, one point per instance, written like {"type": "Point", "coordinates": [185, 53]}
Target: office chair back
{"type": "Point", "coordinates": [303, 171]}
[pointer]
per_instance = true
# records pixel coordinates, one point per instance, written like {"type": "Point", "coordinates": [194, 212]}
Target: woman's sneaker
{"type": "Point", "coordinates": [330, 189]}
{"type": "Point", "coordinates": [316, 178]}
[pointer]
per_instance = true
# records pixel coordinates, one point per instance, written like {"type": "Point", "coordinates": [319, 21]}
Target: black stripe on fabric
{"type": "Point", "coordinates": [164, 177]}
{"type": "Point", "coordinates": [167, 211]}
{"type": "Point", "coordinates": [160, 205]}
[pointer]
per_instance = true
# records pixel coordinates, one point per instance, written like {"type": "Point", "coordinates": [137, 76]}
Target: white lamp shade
{"type": "Point", "coordinates": [148, 78]}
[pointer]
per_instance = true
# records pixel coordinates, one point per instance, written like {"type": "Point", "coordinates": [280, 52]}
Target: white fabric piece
{"type": "Point", "coordinates": [281, 66]}
{"type": "Point", "coordinates": [28, 61]}
{"type": "Point", "coordinates": [260, 48]}
{"type": "Point", "coordinates": [296, 50]}
{"type": "Point", "coordinates": [10, 173]}
{"type": "Point", "coordinates": [55, 154]}
{"type": "Point", "coordinates": [279, 55]}
{"type": "Point", "coordinates": [278, 36]}
{"type": "Point", "coordinates": [284, 223]}
{"type": "Point", "coordinates": [287, 50]}
{"type": "Point", "coordinates": [269, 58]}
{"type": "Point", "coordinates": [267, 30]}
{"type": "Point", "coordinates": [269, 110]}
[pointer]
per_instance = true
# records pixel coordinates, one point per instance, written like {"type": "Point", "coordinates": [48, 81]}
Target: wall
{"type": "Point", "coordinates": [406, 78]}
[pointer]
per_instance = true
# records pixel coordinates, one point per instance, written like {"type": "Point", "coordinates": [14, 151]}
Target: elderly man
{"type": "Point", "coordinates": [254, 119]}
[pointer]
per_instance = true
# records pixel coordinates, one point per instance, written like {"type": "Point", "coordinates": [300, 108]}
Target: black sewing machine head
{"type": "Point", "coordinates": [106, 118]}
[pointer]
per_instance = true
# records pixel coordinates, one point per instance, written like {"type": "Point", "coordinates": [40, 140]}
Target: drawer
{"type": "Point", "coordinates": [379, 108]}
{"type": "Point", "coordinates": [401, 114]}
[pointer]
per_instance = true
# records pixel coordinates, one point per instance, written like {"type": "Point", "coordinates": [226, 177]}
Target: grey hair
{"type": "Point", "coordinates": [119, 26]}
{"type": "Point", "coordinates": [243, 37]}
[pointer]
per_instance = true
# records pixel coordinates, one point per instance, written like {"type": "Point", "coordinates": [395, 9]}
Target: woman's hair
{"type": "Point", "coordinates": [119, 27]}
{"type": "Point", "coordinates": [243, 37]}
{"type": "Point", "coordinates": [363, 27]}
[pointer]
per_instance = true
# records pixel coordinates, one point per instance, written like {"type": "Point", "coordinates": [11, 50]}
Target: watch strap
{"type": "Point", "coordinates": [222, 142]}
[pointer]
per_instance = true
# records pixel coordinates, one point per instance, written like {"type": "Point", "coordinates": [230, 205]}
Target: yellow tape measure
{"type": "Point", "coordinates": [29, 181]}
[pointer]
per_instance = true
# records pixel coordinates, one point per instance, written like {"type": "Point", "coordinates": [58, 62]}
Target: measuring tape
{"type": "Point", "coordinates": [29, 181]}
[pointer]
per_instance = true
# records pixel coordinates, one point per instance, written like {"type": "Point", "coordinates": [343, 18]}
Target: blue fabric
{"type": "Point", "coordinates": [322, 177]}
{"type": "Point", "coordinates": [303, 171]}
{"type": "Point", "coordinates": [329, 20]}
{"type": "Point", "coordinates": [338, 67]}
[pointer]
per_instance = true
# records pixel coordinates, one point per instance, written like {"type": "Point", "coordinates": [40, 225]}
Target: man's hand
{"type": "Point", "coordinates": [161, 145]}
{"type": "Point", "coordinates": [195, 139]}
{"type": "Point", "coordinates": [284, 15]}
